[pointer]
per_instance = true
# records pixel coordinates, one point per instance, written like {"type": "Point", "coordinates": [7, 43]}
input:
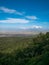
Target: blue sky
{"type": "Point", "coordinates": [24, 14]}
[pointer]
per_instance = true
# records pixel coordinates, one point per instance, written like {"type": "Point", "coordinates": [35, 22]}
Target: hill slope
{"type": "Point", "coordinates": [25, 50]}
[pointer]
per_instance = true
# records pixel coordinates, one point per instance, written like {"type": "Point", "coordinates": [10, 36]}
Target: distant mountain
{"type": "Point", "coordinates": [22, 32]}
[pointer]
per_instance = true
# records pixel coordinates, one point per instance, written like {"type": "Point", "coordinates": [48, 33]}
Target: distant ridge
{"type": "Point", "coordinates": [26, 32]}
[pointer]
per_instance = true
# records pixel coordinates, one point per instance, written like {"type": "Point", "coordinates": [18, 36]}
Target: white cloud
{"type": "Point", "coordinates": [32, 17]}
{"type": "Point", "coordinates": [13, 11]}
{"type": "Point", "coordinates": [14, 20]}
{"type": "Point", "coordinates": [35, 26]}
{"type": "Point", "coordinates": [30, 27]}
{"type": "Point", "coordinates": [7, 10]}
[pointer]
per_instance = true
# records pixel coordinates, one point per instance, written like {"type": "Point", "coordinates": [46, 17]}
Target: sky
{"type": "Point", "coordinates": [24, 15]}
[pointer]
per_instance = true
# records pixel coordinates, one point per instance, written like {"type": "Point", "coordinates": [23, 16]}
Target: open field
{"type": "Point", "coordinates": [9, 44]}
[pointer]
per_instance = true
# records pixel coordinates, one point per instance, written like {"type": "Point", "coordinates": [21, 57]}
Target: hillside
{"type": "Point", "coordinates": [25, 50]}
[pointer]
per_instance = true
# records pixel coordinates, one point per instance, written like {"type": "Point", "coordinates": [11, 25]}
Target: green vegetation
{"type": "Point", "coordinates": [25, 50]}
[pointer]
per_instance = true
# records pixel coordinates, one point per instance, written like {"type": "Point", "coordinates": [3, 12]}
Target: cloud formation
{"type": "Point", "coordinates": [31, 17]}
{"type": "Point", "coordinates": [36, 26]}
{"type": "Point", "coordinates": [31, 27]}
{"type": "Point", "coordinates": [19, 20]}
{"type": "Point", "coordinates": [11, 11]}
{"type": "Point", "coordinates": [14, 20]}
